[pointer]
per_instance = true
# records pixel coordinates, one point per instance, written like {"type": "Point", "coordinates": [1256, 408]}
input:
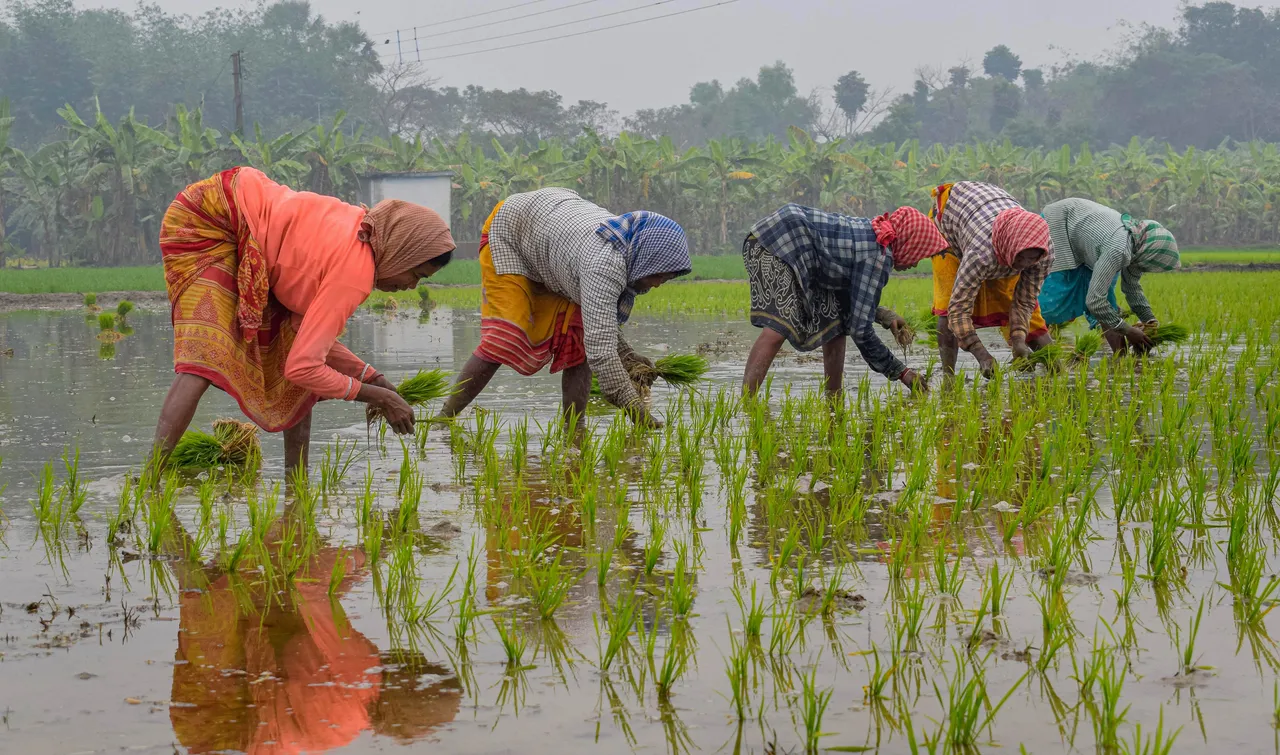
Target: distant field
{"type": "Point", "coordinates": [1193, 257]}
{"type": "Point", "coordinates": [63, 280]}
{"type": "Point", "coordinates": [74, 280]}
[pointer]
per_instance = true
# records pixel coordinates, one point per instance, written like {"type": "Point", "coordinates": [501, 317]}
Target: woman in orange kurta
{"type": "Point", "coordinates": [262, 280]}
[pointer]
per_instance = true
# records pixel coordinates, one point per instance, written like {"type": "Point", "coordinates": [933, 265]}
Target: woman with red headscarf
{"type": "Point", "coordinates": [816, 279]}
{"type": "Point", "coordinates": [262, 280]}
{"type": "Point", "coordinates": [999, 256]}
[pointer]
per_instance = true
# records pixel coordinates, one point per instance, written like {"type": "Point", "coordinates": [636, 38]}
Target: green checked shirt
{"type": "Point", "coordinates": [1110, 244]}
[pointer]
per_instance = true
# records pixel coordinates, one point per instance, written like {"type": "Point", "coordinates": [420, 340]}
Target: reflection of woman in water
{"type": "Point", "coordinates": [267, 673]}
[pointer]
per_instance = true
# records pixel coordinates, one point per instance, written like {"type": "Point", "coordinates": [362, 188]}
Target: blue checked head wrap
{"type": "Point", "coordinates": [650, 244]}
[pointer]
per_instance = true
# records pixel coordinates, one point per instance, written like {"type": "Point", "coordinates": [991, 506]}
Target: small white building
{"type": "Point", "coordinates": [432, 189]}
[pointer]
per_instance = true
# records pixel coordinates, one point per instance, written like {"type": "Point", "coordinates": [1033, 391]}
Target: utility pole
{"type": "Point", "coordinates": [235, 77]}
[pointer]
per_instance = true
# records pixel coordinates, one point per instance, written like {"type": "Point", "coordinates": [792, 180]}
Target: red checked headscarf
{"type": "Point", "coordinates": [1016, 230]}
{"type": "Point", "coordinates": [910, 235]}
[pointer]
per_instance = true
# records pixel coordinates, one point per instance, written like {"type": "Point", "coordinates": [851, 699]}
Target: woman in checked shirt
{"type": "Point", "coordinates": [816, 279]}
{"type": "Point", "coordinates": [991, 276]}
{"type": "Point", "coordinates": [559, 276]}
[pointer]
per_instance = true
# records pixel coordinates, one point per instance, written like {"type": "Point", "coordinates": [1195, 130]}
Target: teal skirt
{"type": "Point", "coordinates": [1062, 298]}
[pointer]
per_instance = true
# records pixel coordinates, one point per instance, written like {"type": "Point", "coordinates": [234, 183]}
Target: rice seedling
{"type": "Point", "coordinates": [1103, 700]}
{"type": "Point", "coordinates": [123, 309]}
{"type": "Point", "coordinates": [653, 547]}
{"type": "Point", "coordinates": [549, 585]}
{"type": "Point", "coordinates": [1160, 742]}
{"type": "Point", "coordinates": [737, 667]}
{"type": "Point", "coordinates": [878, 677]}
{"type": "Point", "coordinates": [786, 630]}
{"type": "Point", "coordinates": [813, 706]}
{"type": "Point", "coordinates": [753, 612]}
{"type": "Point", "coordinates": [91, 302]}
{"type": "Point", "coordinates": [513, 641]}
{"type": "Point", "coordinates": [335, 465]}
{"type": "Point", "coordinates": [680, 592]}
{"type": "Point", "coordinates": [675, 662]}
{"type": "Point", "coordinates": [337, 574]}
{"type": "Point", "coordinates": [966, 704]}
{"type": "Point", "coordinates": [1187, 644]}
{"type": "Point", "coordinates": [619, 619]}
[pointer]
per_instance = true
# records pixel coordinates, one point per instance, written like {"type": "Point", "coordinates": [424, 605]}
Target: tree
{"type": "Point", "coordinates": [851, 94]}
{"type": "Point", "coordinates": [959, 76]}
{"type": "Point", "coordinates": [1033, 78]}
{"type": "Point", "coordinates": [1000, 61]}
{"type": "Point", "coordinates": [1006, 101]}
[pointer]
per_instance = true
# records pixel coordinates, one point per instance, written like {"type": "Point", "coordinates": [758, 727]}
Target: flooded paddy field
{"type": "Point", "coordinates": [1080, 561]}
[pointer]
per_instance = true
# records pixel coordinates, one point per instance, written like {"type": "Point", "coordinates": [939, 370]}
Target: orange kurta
{"type": "Point", "coordinates": [261, 281]}
{"type": "Point", "coordinates": [318, 269]}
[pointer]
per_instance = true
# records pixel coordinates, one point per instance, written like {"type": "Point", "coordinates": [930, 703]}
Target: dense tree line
{"type": "Point", "coordinates": [1215, 77]}
{"type": "Point", "coordinates": [95, 139]}
{"type": "Point", "coordinates": [97, 195]}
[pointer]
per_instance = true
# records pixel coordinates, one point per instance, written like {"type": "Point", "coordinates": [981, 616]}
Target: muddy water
{"type": "Point", "coordinates": [106, 652]}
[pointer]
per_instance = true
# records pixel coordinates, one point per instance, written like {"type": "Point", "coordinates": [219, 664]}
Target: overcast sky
{"type": "Point", "coordinates": [653, 64]}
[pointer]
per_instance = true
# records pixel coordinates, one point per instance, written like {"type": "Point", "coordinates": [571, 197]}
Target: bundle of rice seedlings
{"type": "Point", "coordinates": [232, 444]}
{"type": "Point", "coordinates": [424, 299]}
{"type": "Point", "coordinates": [387, 303]}
{"type": "Point", "coordinates": [679, 370]}
{"type": "Point", "coordinates": [1170, 333]}
{"type": "Point", "coordinates": [925, 322]}
{"type": "Point", "coordinates": [425, 387]}
{"type": "Point", "coordinates": [107, 328]}
{"type": "Point", "coordinates": [419, 390]}
{"type": "Point", "coordinates": [91, 302]}
{"type": "Point", "coordinates": [1087, 344]}
{"type": "Point", "coordinates": [1049, 356]}
{"type": "Point", "coordinates": [682, 369]}
{"type": "Point", "coordinates": [123, 309]}
{"type": "Point", "coordinates": [239, 441]}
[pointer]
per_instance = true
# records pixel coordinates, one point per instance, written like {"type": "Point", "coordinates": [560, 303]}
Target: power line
{"type": "Point", "coordinates": [580, 33]}
{"type": "Point", "coordinates": [462, 18]}
{"type": "Point", "coordinates": [416, 36]}
{"type": "Point", "coordinates": [544, 28]}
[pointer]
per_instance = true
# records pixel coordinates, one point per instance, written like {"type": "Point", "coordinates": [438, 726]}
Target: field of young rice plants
{"type": "Point", "coordinates": [1078, 559]}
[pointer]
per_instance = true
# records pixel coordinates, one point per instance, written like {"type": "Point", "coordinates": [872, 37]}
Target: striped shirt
{"type": "Point", "coordinates": [966, 222]}
{"type": "Point", "coordinates": [1095, 236]}
{"type": "Point", "coordinates": [549, 236]}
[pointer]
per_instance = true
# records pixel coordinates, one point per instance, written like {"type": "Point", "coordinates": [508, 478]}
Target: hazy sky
{"type": "Point", "coordinates": [653, 64]}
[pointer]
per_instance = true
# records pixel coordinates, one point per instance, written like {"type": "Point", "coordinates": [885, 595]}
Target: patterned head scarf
{"type": "Point", "coordinates": [404, 235]}
{"type": "Point", "coordinates": [910, 235]}
{"type": "Point", "coordinates": [1016, 230]}
{"type": "Point", "coordinates": [1154, 248]}
{"type": "Point", "coordinates": [651, 244]}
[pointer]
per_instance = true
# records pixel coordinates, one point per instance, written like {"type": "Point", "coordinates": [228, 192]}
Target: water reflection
{"type": "Point", "coordinates": [264, 670]}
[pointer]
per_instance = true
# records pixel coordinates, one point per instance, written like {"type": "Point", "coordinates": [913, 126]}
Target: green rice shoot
{"type": "Point", "coordinates": [124, 308]}
{"type": "Point", "coordinates": [106, 321]}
